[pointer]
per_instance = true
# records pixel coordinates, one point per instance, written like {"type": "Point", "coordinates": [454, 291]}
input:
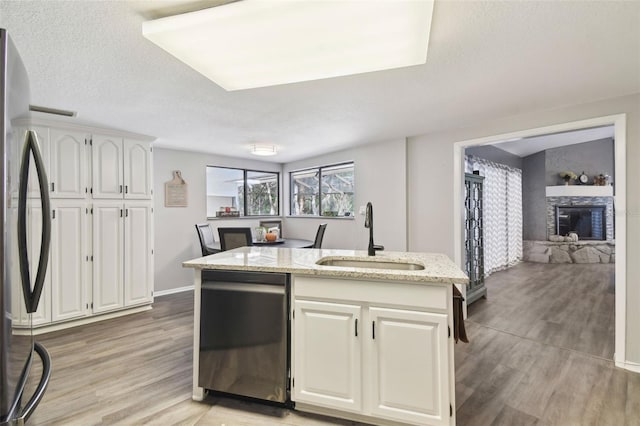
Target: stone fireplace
{"type": "Point", "coordinates": [591, 216]}
{"type": "Point", "coordinates": [584, 214]}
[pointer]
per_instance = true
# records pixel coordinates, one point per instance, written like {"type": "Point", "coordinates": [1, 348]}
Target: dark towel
{"type": "Point", "coordinates": [459, 333]}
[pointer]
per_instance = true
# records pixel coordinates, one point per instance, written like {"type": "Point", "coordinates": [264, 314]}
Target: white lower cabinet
{"type": "Point", "coordinates": [138, 253]}
{"type": "Point", "coordinates": [327, 361]}
{"type": "Point", "coordinates": [409, 366]}
{"type": "Point", "coordinates": [100, 260]}
{"type": "Point", "coordinates": [364, 354]}
{"type": "Point", "coordinates": [108, 257]}
{"type": "Point", "coordinates": [34, 231]}
{"type": "Point", "coordinates": [69, 259]}
{"type": "Point", "coordinates": [122, 255]}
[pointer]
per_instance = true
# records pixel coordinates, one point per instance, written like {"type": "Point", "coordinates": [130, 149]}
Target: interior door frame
{"type": "Point", "coordinates": [619, 121]}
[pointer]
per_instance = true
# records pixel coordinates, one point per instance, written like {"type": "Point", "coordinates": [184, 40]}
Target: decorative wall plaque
{"type": "Point", "coordinates": [176, 191]}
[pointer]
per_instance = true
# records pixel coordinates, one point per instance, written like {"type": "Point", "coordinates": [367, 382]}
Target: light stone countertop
{"type": "Point", "coordinates": [437, 267]}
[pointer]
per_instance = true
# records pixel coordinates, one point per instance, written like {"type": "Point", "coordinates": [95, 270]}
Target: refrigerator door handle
{"type": "Point", "coordinates": [32, 297]}
{"type": "Point", "coordinates": [42, 386]}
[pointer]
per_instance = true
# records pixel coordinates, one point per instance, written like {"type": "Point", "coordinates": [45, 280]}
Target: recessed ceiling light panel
{"type": "Point", "coordinates": [258, 43]}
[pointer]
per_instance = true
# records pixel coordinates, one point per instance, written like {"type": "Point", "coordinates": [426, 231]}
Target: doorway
{"type": "Point", "coordinates": [619, 123]}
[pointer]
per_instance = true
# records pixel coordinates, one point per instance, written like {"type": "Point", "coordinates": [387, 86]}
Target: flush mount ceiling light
{"type": "Point", "coordinates": [263, 150]}
{"type": "Point", "coordinates": [258, 43]}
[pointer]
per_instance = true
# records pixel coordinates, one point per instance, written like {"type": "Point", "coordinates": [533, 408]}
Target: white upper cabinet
{"type": "Point", "coordinates": [67, 167]}
{"type": "Point", "coordinates": [138, 170]}
{"type": "Point", "coordinates": [122, 168]}
{"type": "Point", "coordinates": [107, 167]}
{"type": "Point", "coordinates": [17, 147]}
{"type": "Point", "coordinates": [42, 137]}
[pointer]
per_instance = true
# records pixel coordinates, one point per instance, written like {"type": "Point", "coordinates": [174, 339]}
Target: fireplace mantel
{"type": "Point", "coordinates": [579, 191]}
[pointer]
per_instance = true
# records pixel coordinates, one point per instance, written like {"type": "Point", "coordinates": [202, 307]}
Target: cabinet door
{"type": "Point", "coordinates": [106, 176]}
{"type": "Point", "coordinates": [18, 139]}
{"type": "Point", "coordinates": [327, 365]}
{"type": "Point", "coordinates": [138, 282]}
{"type": "Point", "coordinates": [34, 240]}
{"type": "Point", "coordinates": [68, 260]}
{"type": "Point", "coordinates": [410, 366]}
{"type": "Point", "coordinates": [18, 310]}
{"type": "Point", "coordinates": [67, 164]}
{"type": "Point", "coordinates": [108, 290]}
{"type": "Point", "coordinates": [43, 314]}
{"type": "Point", "coordinates": [42, 137]}
{"type": "Point", "coordinates": [138, 173]}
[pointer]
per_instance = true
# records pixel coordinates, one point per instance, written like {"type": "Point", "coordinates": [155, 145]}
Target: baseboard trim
{"type": "Point", "coordinates": [80, 321]}
{"type": "Point", "coordinates": [628, 365]}
{"type": "Point", "coordinates": [173, 291]}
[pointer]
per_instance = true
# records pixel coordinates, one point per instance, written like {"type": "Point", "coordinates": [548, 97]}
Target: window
{"type": "Point", "coordinates": [323, 191]}
{"type": "Point", "coordinates": [240, 192]}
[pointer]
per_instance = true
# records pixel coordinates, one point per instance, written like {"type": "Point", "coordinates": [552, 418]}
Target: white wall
{"type": "Point", "coordinates": [380, 177]}
{"type": "Point", "coordinates": [175, 235]}
{"type": "Point", "coordinates": [411, 187]}
{"type": "Point", "coordinates": [430, 187]}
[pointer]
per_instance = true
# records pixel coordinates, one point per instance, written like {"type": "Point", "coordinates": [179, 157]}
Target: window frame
{"type": "Point", "coordinates": [320, 175]}
{"type": "Point", "coordinates": [244, 193]}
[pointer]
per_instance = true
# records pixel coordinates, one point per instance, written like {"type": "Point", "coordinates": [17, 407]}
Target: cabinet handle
{"type": "Point", "coordinates": [53, 187]}
{"type": "Point", "coordinates": [120, 212]}
{"type": "Point", "coordinates": [126, 189]}
{"type": "Point", "coordinates": [356, 327]}
{"type": "Point", "coordinates": [121, 189]}
{"type": "Point", "coordinates": [373, 330]}
{"type": "Point", "coordinates": [126, 212]}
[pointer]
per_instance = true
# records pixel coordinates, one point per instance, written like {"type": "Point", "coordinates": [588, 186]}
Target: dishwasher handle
{"type": "Point", "coordinates": [242, 287]}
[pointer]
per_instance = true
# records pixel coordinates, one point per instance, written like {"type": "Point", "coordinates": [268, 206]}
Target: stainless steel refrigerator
{"type": "Point", "coordinates": [24, 182]}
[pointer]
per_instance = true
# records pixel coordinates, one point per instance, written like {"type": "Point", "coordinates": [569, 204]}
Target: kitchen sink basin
{"type": "Point", "coordinates": [370, 264]}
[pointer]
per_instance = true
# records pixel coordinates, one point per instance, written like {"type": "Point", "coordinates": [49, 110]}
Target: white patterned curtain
{"type": "Point", "coordinates": [502, 213]}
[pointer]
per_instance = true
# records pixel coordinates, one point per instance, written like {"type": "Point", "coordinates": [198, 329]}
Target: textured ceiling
{"type": "Point", "coordinates": [486, 59]}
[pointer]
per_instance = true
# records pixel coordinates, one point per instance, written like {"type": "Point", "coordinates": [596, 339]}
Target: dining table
{"type": "Point", "coordinates": [279, 243]}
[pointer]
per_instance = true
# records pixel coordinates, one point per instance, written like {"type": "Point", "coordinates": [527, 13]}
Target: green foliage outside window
{"type": "Point", "coordinates": [247, 192]}
{"type": "Point", "coordinates": [323, 191]}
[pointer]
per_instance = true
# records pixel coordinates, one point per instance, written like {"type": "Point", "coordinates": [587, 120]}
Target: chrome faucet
{"type": "Point", "coordinates": [368, 223]}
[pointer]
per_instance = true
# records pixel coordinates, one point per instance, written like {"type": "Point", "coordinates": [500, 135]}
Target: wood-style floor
{"type": "Point", "coordinates": [532, 359]}
{"type": "Point", "coordinates": [541, 349]}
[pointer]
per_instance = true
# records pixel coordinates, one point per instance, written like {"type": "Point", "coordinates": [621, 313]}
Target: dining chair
{"type": "Point", "coordinates": [231, 238]}
{"type": "Point", "coordinates": [272, 224]}
{"type": "Point", "coordinates": [205, 235]}
{"type": "Point", "coordinates": [319, 236]}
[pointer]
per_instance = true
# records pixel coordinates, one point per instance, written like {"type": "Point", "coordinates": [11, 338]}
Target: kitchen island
{"type": "Point", "coordinates": [371, 336]}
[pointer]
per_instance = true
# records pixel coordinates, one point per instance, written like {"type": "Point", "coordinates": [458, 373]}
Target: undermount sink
{"type": "Point", "coordinates": [370, 264]}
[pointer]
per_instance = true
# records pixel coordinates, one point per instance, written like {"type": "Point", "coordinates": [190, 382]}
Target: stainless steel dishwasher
{"type": "Point", "coordinates": [244, 334]}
